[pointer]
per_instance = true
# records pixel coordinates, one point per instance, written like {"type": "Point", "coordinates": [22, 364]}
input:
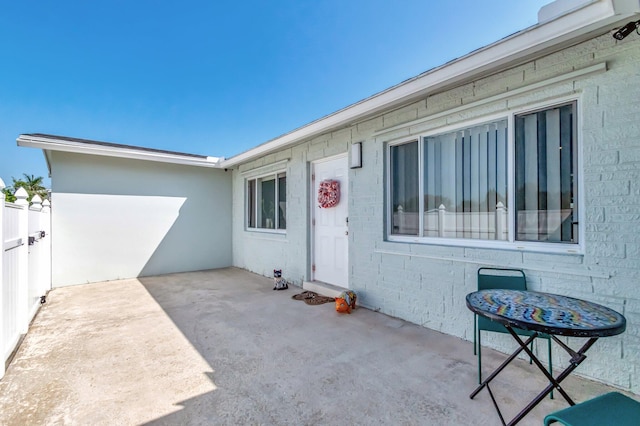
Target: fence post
{"type": "Point", "coordinates": [2, 313]}
{"type": "Point", "coordinates": [501, 222]}
{"type": "Point", "coordinates": [23, 262]}
{"type": "Point", "coordinates": [46, 227]}
{"type": "Point", "coordinates": [36, 203]}
{"type": "Point", "coordinates": [442, 212]}
{"type": "Point", "coordinates": [34, 266]}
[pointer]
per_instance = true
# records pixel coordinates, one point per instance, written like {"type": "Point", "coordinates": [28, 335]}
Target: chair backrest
{"type": "Point", "coordinates": [513, 279]}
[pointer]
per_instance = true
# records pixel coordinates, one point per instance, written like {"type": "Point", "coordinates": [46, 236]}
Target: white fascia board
{"type": "Point", "coordinates": [524, 45]}
{"type": "Point", "coordinates": [53, 144]}
{"type": "Point", "coordinates": [47, 159]}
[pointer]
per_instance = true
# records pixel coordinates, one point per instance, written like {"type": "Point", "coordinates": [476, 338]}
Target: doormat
{"type": "Point", "coordinates": [313, 298]}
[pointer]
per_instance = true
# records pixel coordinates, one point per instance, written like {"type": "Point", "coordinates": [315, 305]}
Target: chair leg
{"type": "Point", "coordinates": [475, 331]}
{"type": "Point", "coordinates": [479, 359]}
{"type": "Point", "coordinates": [550, 365]}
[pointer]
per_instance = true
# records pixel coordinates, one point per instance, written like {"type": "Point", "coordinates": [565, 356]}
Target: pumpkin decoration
{"type": "Point", "coordinates": [345, 302]}
{"type": "Point", "coordinates": [328, 193]}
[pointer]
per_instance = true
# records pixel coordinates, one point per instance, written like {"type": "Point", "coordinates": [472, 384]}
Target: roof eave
{"type": "Point", "coordinates": [48, 144]}
{"type": "Point", "coordinates": [535, 41]}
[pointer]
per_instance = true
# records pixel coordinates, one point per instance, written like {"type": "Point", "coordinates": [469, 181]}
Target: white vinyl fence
{"type": "Point", "coordinates": [533, 225]}
{"type": "Point", "coordinates": [489, 225]}
{"type": "Point", "coordinates": [25, 264]}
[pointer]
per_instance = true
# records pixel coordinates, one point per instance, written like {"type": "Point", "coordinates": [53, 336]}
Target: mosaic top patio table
{"type": "Point", "coordinates": [544, 313]}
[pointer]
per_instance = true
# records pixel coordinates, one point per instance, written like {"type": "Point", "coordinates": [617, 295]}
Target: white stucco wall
{"type": "Point", "coordinates": [427, 284]}
{"type": "Point", "coordinates": [119, 218]}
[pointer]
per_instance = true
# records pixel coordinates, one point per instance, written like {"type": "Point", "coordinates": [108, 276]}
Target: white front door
{"type": "Point", "coordinates": [330, 225]}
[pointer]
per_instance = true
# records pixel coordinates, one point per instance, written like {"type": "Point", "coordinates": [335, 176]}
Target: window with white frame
{"type": "Point", "coordinates": [267, 202]}
{"type": "Point", "coordinates": [545, 176]}
{"type": "Point", "coordinates": [458, 185]}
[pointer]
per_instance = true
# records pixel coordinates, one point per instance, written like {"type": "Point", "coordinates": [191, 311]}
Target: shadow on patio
{"type": "Point", "coordinates": [220, 347]}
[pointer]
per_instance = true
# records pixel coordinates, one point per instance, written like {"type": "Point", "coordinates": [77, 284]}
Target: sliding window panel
{"type": "Point", "coordinates": [475, 183]}
{"type": "Point", "coordinates": [268, 203]}
{"type": "Point", "coordinates": [467, 193]}
{"type": "Point", "coordinates": [251, 203]}
{"type": "Point", "coordinates": [546, 187]}
{"type": "Point", "coordinates": [282, 201]}
{"type": "Point", "coordinates": [568, 175]}
{"type": "Point", "coordinates": [464, 172]}
{"type": "Point", "coordinates": [459, 178]}
{"type": "Point", "coordinates": [553, 172]}
{"type": "Point", "coordinates": [502, 188]}
{"type": "Point", "coordinates": [404, 177]}
{"type": "Point", "coordinates": [431, 178]}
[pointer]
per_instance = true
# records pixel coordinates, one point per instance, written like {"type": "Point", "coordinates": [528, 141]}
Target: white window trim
{"type": "Point", "coordinates": [267, 169]}
{"type": "Point", "coordinates": [512, 244]}
{"type": "Point", "coordinates": [256, 177]}
{"type": "Point", "coordinates": [506, 96]}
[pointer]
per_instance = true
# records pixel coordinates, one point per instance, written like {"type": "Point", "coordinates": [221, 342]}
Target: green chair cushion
{"type": "Point", "coordinates": [609, 409]}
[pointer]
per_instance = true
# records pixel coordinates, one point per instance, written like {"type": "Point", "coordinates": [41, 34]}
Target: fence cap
{"type": "Point", "coordinates": [21, 194]}
{"type": "Point", "coordinates": [2, 185]}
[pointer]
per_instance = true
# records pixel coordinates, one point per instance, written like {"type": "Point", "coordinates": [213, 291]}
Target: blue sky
{"type": "Point", "coordinates": [217, 77]}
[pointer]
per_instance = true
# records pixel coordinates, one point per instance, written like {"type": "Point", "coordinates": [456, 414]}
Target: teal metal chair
{"type": "Point", "coordinates": [512, 279]}
{"type": "Point", "coordinates": [612, 408]}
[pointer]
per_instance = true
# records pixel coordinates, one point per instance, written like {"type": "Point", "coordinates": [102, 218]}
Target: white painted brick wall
{"type": "Point", "coordinates": [417, 284]}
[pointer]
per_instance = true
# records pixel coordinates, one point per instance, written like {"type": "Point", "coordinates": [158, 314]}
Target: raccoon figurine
{"type": "Point", "coordinates": [279, 282]}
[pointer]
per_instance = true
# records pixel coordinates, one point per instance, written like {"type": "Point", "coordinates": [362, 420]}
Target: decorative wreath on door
{"type": "Point", "coordinates": [328, 193]}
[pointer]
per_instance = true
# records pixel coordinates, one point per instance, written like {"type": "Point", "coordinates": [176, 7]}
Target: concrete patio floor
{"type": "Point", "coordinates": [220, 347]}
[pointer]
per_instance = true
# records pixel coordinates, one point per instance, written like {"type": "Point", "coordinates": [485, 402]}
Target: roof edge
{"type": "Point", "coordinates": [84, 146]}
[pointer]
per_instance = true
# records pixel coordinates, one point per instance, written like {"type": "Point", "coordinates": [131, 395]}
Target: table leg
{"type": "Point", "coordinates": [576, 360]}
{"type": "Point", "coordinates": [552, 381]}
{"type": "Point", "coordinates": [486, 381]}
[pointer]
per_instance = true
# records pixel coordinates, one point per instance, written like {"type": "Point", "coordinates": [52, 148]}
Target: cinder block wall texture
{"type": "Point", "coordinates": [426, 284]}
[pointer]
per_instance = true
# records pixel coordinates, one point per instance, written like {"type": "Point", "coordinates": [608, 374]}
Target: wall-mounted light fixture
{"type": "Point", "coordinates": [356, 155]}
{"type": "Point", "coordinates": [626, 30]}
